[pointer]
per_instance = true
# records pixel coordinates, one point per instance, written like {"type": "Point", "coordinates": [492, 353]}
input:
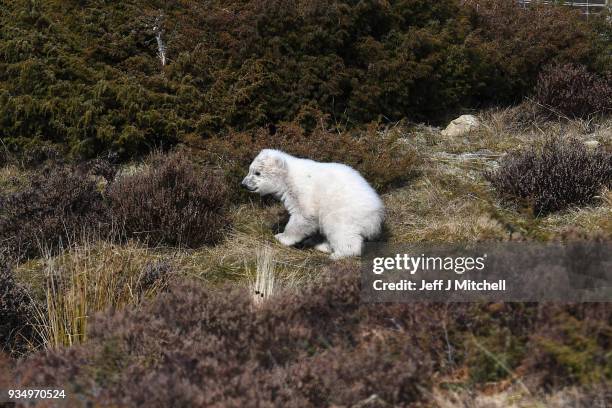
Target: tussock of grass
{"type": "Point", "coordinates": [263, 287]}
{"type": "Point", "coordinates": [90, 278]}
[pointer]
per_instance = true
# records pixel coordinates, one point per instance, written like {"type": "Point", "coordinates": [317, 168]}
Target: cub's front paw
{"type": "Point", "coordinates": [284, 239]}
{"type": "Point", "coordinates": [324, 247]}
{"type": "Point", "coordinates": [336, 256]}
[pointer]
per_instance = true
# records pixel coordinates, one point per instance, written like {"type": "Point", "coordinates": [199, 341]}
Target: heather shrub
{"type": "Point", "coordinates": [6, 372]}
{"type": "Point", "coordinates": [320, 346]}
{"type": "Point", "coordinates": [59, 205]}
{"type": "Point", "coordinates": [209, 347]}
{"type": "Point", "coordinates": [572, 91]}
{"type": "Point", "coordinates": [377, 372]}
{"type": "Point", "coordinates": [379, 156]}
{"type": "Point", "coordinates": [171, 201]}
{"type": "Point", "coordinates": [559, 174]}
{"type": "Point", "coordinates": [17, 314]}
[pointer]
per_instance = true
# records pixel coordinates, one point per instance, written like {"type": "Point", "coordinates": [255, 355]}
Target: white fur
{"type": "Point", "coordinates": [330, 198]}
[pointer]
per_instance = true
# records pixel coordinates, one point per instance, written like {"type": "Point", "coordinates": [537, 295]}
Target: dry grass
{"type": "Point", "coordinates": [451, 201]}
{"type": "Point", "coordinates": [90, 278]}
{"type": "Point", "coordinates": [263, 287]}
{"type": "Point", "coordinates": [595, 219]}
{"type": "Point", "coordinates": [236, 257]}
{"type": "Point", "coordinates": [516, 398]}
{"type": "Point", "coordinates": [11, 178]}
{"type": "Point", "coordinates": [442, 208]}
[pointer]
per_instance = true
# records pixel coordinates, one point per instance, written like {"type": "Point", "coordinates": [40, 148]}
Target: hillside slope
{"type": "Point", "coordinates": [86, 74]}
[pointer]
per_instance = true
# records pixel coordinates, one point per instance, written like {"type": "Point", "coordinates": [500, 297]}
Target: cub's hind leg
{"type": "Point", "coordinates": [345, 243]}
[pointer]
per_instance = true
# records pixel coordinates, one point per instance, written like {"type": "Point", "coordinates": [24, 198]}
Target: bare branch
{"type": "Point", "coordinates": [158, 29]}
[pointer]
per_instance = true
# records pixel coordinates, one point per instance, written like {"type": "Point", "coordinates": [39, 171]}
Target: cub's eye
{"type": "Point", "coordinates": [257, 173]}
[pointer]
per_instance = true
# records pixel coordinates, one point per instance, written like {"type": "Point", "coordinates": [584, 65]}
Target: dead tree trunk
{"type": "Point", "coordinates": [158, 29]}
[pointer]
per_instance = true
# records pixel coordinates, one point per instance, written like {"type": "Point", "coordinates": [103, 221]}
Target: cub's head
{"type": "Point", "coordinates": [267, 173]}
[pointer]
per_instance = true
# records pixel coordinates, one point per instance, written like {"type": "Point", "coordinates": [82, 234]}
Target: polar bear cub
{"type": "Point", "coordinates": [327, 198]}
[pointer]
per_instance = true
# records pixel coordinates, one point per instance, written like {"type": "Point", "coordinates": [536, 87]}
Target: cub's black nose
{"type": "Point", "coordinates": [245, 185]}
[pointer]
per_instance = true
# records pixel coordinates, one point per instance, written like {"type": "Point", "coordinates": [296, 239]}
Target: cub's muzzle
{"type": "Point", "coordinates": [246, 185]}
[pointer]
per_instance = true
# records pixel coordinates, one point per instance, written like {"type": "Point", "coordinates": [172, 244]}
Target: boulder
{"type": "Point", "coordinates": [462, 125]}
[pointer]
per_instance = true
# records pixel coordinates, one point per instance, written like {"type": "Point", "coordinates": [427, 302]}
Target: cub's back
{"type": "Point", "coordinates": [339, 180]}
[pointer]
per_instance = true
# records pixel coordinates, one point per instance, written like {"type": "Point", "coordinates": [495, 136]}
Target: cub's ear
{"type": "Point", "coordinates": [279, 162]}
{"type": "Point", "coordinates": [273, 158]}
